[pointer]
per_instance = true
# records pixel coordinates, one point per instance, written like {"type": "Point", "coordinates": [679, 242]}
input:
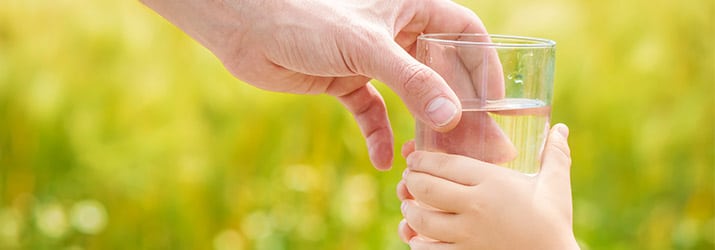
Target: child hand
{"type": "Point", "coordinates": [456, 202]}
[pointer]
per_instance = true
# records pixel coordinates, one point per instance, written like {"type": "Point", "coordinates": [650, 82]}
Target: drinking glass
{"type": "Point", "coordinates": [505, 86]}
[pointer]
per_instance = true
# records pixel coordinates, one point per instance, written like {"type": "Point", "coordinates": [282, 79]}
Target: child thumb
{"type": "Point", "coordinates": [556, 161]}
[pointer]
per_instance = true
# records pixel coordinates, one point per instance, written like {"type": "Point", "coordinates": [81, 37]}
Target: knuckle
{"type": "Point", "coordinates": [414, 79]}
{"type": "Point", "coordinates": [442, 165]}
{"type": "Point", "coordinates": [561, 148]}
{"type": "Point", "coordinates": [567, 160]}
{"type": "Point", "coordinates": [421, 221]}
{"type": "Point", "coordinates": [475, 207]}
{"type": "Point", "coordinates": [462, 232]}
{"type": "Point", "coordinates": [360, 45]}
{"type": "Point", "coordinates": [443, 162]}
{"type": "Point", "coordinates": [425, 190]}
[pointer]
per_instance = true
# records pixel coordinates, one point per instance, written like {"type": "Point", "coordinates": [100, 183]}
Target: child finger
{"type": "Point", "coordinates": [456, 168]}
{"type": "Point", "coordinates": [437, 192]}
{"type": "Point", "coordinates": [408, 148]}
{"type": "Point", "coordinates": [405, 231]}
{"type": "Point", "coordinates": [431, 223]}
{"type": "Point", "coordinates": [420, 243]}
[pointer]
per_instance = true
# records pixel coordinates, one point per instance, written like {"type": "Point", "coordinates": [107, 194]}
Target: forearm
{"type": "Point", "coordinates": [213, 23]}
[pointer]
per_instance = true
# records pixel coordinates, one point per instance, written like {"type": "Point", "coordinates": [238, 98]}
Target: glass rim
{"type": "Point", "coordinates": [518, 41]}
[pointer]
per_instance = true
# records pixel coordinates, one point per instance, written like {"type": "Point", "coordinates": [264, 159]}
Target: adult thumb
{"type": "Point", "coordinates": [556, 161]}
{"type": "Point", "coordinates": [424, 92]}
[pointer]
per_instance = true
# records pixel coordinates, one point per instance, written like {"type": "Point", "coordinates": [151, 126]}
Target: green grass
{"type": "Point", "coordinates": [105, 101]}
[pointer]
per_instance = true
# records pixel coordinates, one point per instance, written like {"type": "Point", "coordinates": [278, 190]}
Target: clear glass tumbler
{"type": "Point", "coordinates": [505, 85]}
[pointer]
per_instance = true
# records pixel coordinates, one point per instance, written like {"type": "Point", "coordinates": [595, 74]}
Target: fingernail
{"type": "Point", "coordinates": [441, 111]}
{"type": "Point", "coordinates": [403, 207]}
{"type": "Point", "coordinates": [563, 130]}
{"type": "Point", "coordinates": [404, 173]}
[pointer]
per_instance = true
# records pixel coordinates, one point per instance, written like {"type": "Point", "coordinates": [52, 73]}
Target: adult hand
{"type": "Point", "coordinates": [333, 47]}
{"type": "Point", "coordinates": [471, 204]}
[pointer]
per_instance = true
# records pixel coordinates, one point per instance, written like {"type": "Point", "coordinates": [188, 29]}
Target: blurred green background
{"type": "Point", "coordinates": [117, 131]}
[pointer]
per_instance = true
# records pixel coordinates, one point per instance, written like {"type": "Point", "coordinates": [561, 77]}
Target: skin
{"type": "Point", "coordinates": [333, 47]}
{"type": "Point", "coordinates": [475, 74]}
{"type": "Point", "coordinates": [475, 128]}
{"type": "Point", "coordinates": [454, 202]}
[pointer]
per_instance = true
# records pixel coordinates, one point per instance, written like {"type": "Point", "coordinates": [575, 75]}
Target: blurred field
{"type": "Point", "coordinates": [119, 132]}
